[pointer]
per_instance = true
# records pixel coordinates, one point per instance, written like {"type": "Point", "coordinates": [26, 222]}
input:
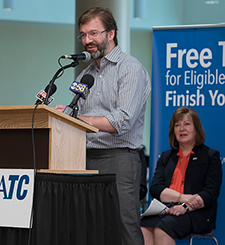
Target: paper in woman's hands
{"type": "Point", "coordinates": [155, 207]}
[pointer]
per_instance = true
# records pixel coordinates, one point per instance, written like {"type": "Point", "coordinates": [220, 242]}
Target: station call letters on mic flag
{"type": "Point", "coordinates": [81, 89]}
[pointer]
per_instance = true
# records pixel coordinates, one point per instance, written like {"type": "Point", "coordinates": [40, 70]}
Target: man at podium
{"type": "Point", "coordinates": [116, 106]}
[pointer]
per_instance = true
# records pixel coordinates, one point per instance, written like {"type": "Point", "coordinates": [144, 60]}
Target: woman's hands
{"type": "Point", "coordinates": [192, 201]}
{"type": "Point", "coordinates": [177, 210]}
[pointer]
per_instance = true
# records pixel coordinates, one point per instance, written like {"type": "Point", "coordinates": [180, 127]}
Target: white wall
{"type": "Point", "coordinates": [203, 13]}
{"type": "Point", "coordinates": [47, 11]}
{"type": "Point", "coordinates": [28, 61]}
{"type": "Point", "coordinates": [158, 13]}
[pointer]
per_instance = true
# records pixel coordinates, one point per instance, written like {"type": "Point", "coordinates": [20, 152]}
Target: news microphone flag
{"type": "Point", "coordinates": [80, 88]}
{"type": "Point", "coordinates": [42, 96]}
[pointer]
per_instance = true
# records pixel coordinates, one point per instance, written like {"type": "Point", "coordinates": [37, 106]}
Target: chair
{"type": "Point", "coordinates": [201, 236]}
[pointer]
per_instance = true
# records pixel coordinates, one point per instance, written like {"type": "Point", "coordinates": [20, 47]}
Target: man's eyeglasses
{"type": "Point", "coordinates": [91, 34]}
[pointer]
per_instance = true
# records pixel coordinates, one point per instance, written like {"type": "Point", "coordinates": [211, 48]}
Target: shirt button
{"type": "Point", "coordinates": [100, 75]}
{"type": "Point", "coordinates": [97, 93]}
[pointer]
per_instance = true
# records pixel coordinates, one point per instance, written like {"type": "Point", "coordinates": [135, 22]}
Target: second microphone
{"type": "Point", "coordinates": [81, 89]}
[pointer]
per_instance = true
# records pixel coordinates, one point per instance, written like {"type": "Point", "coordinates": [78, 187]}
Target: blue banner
{"type": "Point", "coordinates": [189, 70]}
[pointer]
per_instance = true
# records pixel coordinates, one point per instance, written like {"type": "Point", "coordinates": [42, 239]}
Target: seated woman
{"type": "Point", "coordinates": [189, 177]}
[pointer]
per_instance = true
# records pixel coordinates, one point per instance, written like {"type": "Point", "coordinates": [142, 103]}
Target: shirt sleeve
{"type": "Point", "coordinates": [133, 91]}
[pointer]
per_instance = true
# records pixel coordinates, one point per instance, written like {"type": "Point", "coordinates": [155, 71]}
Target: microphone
{"type": "Point", "coordinates": [41, 96]}
{"type": "Point", "coordinates": [81, 90]}
{"type": "Point", "coordinates": [85, 56]}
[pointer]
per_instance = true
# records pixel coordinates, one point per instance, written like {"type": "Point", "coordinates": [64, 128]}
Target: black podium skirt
{"type": "Point", "coordinates": [71, 210]}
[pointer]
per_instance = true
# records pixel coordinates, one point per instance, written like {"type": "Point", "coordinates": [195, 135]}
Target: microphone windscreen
{"type": "Point", "coordinates": [52, 90]}
{"type": "Point", "coordinates": [87, 55]}
{"type": "Point", "coordinates": [88, 79]}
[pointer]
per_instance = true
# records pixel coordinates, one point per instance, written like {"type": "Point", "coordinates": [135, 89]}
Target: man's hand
{"type": "Point", "coordinates": [60, 107]}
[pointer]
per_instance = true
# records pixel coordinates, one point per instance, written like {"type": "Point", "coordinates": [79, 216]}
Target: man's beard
{"type": "Point", "coordinates": [101, 48]}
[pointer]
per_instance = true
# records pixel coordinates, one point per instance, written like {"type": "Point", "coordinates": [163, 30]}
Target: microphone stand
{"type": "Point", "coordinates": [75, 111]}
{"type": "Point", "coordinates": [73, 64]}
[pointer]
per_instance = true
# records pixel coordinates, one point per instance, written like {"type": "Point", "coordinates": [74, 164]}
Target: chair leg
{"type": "Point", "coordinates": [202, 236]}
{"type": "Point", "coordinates": [190, 240]}
{"type": "Point", "coordinates": [215, 240]}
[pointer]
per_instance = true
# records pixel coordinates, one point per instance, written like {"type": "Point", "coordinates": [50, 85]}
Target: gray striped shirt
{"type": "Point", "coordinates": [119, 93]}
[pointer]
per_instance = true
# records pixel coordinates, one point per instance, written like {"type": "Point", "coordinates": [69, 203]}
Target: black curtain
{"type": "Point", "coordinates": [71, 210]}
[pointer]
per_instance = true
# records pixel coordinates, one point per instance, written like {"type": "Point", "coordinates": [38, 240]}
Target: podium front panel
{"type": "Point", "coordinates": [16, 149]}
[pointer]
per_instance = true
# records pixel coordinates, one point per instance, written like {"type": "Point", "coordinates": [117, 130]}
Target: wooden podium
{"type": "Point", "coordinates": [60, 140]}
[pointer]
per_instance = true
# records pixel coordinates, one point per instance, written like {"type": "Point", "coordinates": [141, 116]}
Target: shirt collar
{"type": "Point", "coordinates": [112, 56]}
{"type": "Point", "coordinates": [180, 153]}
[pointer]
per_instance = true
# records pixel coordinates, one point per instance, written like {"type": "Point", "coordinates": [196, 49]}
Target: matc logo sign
{"type": "Point", "coordinates": [16, 197]}
{"type": "Point", "coordinates": [17, 184]}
